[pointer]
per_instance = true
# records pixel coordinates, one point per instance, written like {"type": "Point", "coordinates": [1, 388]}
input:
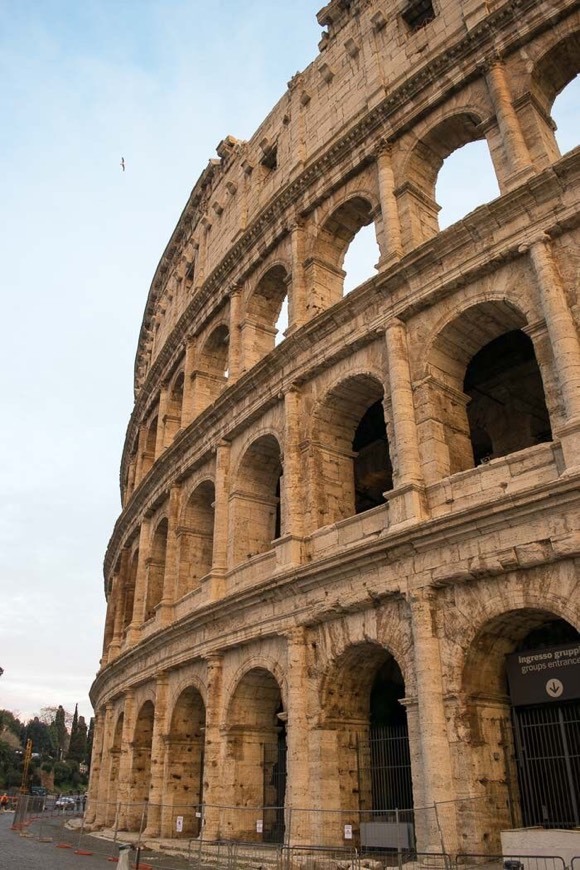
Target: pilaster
{"type": "Point", "coordinates": [391, 247]}
{"type": "Point", "coordinates": [157, 786]}
{"type": "Point", "coordinates": [212, 787]}
{"type": "Point", "coordinates": [516, 152]}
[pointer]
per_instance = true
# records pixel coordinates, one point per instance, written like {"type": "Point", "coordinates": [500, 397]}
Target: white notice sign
{"type": "Point", "coordinates": [348, 832]}
{"type": "Point", "coordinates": [179, 824]}
{"type": "Point", "coordinates": [260, 826]}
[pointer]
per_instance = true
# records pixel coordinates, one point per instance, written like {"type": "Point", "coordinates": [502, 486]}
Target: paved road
{"type": "Point", "coordinates": [30, 853]}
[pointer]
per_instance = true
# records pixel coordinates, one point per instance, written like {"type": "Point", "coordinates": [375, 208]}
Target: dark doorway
{"type": "Point", "coordinates": [373, 473]}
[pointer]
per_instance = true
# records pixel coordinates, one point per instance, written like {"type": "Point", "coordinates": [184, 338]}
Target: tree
{"type": "Point", "coordinates": [77, 749]}
{"type": "Point", "coordinates": [58, 729]}
{"type": "Point", "coordinates": [90, 738]}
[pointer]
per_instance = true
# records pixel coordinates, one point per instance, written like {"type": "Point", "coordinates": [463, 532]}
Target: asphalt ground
{"type": "Point", "coordinates": [46, 844]}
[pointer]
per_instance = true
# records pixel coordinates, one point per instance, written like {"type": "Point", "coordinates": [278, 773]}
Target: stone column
{"type": "Point", "coordinates": [187, 403]}
{"type": "Point", "coordinates": [212, 775]}
{"type": "Point", "coordinates": [140, 598]}
{"type": "Point", "coordinates": [516, 152]}
{"type": "Point", "coordinates": [235, 348]}
{"type": "Point", "coordinates": [297, 292]}
{"type": "Point", "coordinates": [221, 520]}
{"type": "Point", "coordinates": [565, 343]}
{"type": "Point", "coordinates": [170, 575]}
{"type": "Point", "coordinates": [96, 767]}
{"type": "Point", "coordinates": [117, 640]}
{"type": "Point", "coordinates": [141, 440]}
{"type": "Point", "coordinates": [157, 783]}
{"type": "Point", "coordinates": [407, 502]}
{"type": "Point", "coordinates": [436, 767]}
{"type": "Point", "coordinates": [298, 793]}
{"type": "Point", "coordinates": [391, 248]}
{"type": "Point", "coordinates": [103, 773]}
{"type": "Point", "coordinates": [161, 415]}
{"type": "Point", "coordinates": [289, 547]}
{"type": "Point", "coordinates": [112, 608]}
{"type": "Point", "coordinates": [126, 759]}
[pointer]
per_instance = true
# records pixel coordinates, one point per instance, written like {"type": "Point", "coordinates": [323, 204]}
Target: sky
{"type": "Point", "coordinates": [82, 84]}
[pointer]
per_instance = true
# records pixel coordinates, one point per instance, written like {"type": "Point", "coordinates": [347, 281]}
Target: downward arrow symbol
{"type": "Point", "coordinates": [553, 689]}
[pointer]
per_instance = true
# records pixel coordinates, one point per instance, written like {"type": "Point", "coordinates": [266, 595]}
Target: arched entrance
{"type": "Point", "coordinates": [524, 743]}
{"type": "Point", "coordinates": [140, 782]}
{"type": "Point", "coordinates": [364, 708]}
{"type": "Point", "coordinates": [256, 752]}
{"type": "Point", "coordinates": [184, 774]}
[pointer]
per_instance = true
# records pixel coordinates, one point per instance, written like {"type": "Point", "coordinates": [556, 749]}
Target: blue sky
{"type": "Point", "coordinates": [83, 82]}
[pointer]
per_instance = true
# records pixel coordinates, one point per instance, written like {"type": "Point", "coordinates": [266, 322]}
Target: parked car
{"type": "Point", "coordinates": [65, 803]}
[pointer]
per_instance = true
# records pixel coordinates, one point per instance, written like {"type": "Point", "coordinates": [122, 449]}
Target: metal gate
{"type": "Point", "coordinates": [547, 742]}
{"type": "Point", "coordinates": [274, 790]}
{"type": "Point", "coordinates": [384, 761]}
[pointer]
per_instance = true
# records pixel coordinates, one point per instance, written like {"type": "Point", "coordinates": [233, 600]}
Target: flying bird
{"type": "Point", "coordinates": [122, 164]}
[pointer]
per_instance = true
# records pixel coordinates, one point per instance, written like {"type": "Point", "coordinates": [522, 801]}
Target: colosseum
{"type": "Point", "coordinates": [343, 590]}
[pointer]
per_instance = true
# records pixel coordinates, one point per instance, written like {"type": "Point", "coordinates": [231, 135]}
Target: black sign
{"type": "Point", "coordinates": [539, 676]}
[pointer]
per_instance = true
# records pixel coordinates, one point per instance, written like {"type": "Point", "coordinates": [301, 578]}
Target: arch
{"type": "Point", "coordinates": [148, 457]}
{"type": "Point", "coordinates": [417, 203]}
{"type": "Point", "coordinates": [183, 793]}
{"type": "Point", "coordinates": [555, 69]}
{"type": "Point", "coordinates": [484, 388]}
{"type": "Point", "coordinates": [324, 271]}
{"type": "Point", "coordinates": [256, 755]}
{"type": "Point", "coordinates": [195, 538]}
{"type": "Point", "coordinates": [361, 698]}
{"type": "Point", "coordinates": [156, 568]}
{"type": "Point", "coordinates": [256, 513]}
{"type": "Point", "coordinates": [486, 718]}
{"type": "Point", "coordinates": [352, 446]}
{"type": "Point", "coordinates": [260, 327]}
{"type": "Point", "coordinates": [111, 773]}
{"type": "Point", "coordinates": [140, 781]}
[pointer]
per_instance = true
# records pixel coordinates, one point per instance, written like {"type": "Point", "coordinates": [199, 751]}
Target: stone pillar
{"type": "Point", "coordinates": [123, 580]}
{"type": "Point", "coordinates": [112, 608]}
{"type": "Point", "coordinates": [170, 575]}
{"type": "Point", "coordinates": [407, 501]}
{"type": "Point", "coordinates": [212, 774]}
{"type": "Point", "coordinates": [516, 152]}
{"type": "Point", "coordinates": [289, 546]}
{"type": "Point", "coordinates": [96, 767]}
{"type": "Point", "coordinates": [298, 793]}
{"type": "Point", "coordinates": [140, 599]}
{"type": "Point", "coordinates": [436, 768]}
{"type": "Point", "coordinates": [565, 343]}
{"type": "Point", "coordinates": [126, 759]}
{"type": "Point", "coordinates": [391, 247]}
{"type": "Point", "coordinates": [103, 774]}
{"type": "Point", "coordinates": [157, 786]}
{"type": "Point", "coordinates": [221, 520]}
{"type": "Point", "coordinates": [297, 292]}
{"type": "Point", "coordinates": [187, 404]}
{"type": "Point", "coordinates": [162, 414]}
{"type": "Point", "coordinates": [235, 348]}
{"type": "Point", "coordinates": [141, 440]}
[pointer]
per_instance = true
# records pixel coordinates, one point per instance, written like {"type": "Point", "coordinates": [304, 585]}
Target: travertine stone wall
{"type": "Point", "coordinates": [384, 499]}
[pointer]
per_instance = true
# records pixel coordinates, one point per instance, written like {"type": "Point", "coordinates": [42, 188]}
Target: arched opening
{"type": "Point", "coordinates": [523, 734]}
{"type": "Point", "coordinates": [256, 516]}
{"type": "Point", "coordinates": [507, 409]}
{"type": "Point", "coordinates": [325, 276]}
{"type": "Point", "coordinates": [565, 112]}
{"type": "Point", "coordinates": [195, 536]}
{"type": "Point", "coordinates": [183, 793]}
{"type": "Point", "coordinates": [263, 325]}
{"type": "Point", "coordinates": [129, 590]}
{"type": "Point", "coordinates": [156, 569]}
{"type": "Point", "coordinates": [556, 89]}
{"type": "Point", "coordinates": [212, 372]}
{"type": "Point", "coordinates": [484, 391]}
{"type": "Point", "coordinates": [361, 258]}
{"type": "Point", "coordinates": [355, 467]}
{"type": "Point", "coordinates": [140, 782]}
{"type": "Point", "coordinates": [417, 203]}
{"type": "Point", "coordinates": [362, 706]}
{"type": "Point", "coordinates": [256, 755]}
{"type": "Point", "coordinates": [456, 198]}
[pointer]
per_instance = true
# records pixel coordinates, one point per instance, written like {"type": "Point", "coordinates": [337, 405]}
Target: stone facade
{"type": "Point", "coordinates": [385, 503]}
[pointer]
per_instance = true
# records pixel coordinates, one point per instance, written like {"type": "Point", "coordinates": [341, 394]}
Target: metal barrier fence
{"type": "Point", "coordinates": [227, 838]}
{"type": "Point", "coordinates": [512, 862]}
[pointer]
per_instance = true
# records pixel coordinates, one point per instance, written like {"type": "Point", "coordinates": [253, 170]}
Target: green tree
{"type": "Point", "coordinates": [77, 749]}
{"type": "Point", "coordinates": [90, 738]}
{"type": "Point", "coordinates": [39, 733]}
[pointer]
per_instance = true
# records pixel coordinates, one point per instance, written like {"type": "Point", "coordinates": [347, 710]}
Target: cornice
{"type": "Point", "coordinates": [482, 37]}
